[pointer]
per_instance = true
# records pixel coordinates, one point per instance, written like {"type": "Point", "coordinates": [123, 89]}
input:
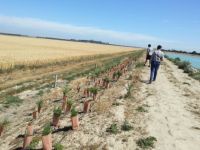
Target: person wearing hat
{"type": "Point", "coordinates": [156, 58]}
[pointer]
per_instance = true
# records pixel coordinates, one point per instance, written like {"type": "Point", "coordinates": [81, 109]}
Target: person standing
{"type": "Point", "coordinates": [156, 58]}
{"type": "Point", "coordinates": [148, 55]}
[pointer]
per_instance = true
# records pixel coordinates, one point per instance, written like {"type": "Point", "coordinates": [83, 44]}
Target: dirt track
{"type": "Point", "coordinates": [174, 109]}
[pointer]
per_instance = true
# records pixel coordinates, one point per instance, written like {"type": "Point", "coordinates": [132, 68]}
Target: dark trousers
{"type": "Point", "coordinates": [154, 69]}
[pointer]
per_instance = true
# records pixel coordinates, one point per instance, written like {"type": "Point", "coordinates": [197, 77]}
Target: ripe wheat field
{"type": "Point", "coordinates": [27, 51]}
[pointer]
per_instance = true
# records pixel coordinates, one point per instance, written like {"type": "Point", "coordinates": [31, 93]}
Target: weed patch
{"type": "Point", "coordinates": [128, 94]}
{"type": "Point", "coordinates": [146, 143]}
{"type": "Point", "coordinates": [139, 65]}
{"type": "Point", "coordinates": [126, 126]}
{"type": "Point", "coordinates": [34, 143]}
{"type": "Point", "coordinates": [58, 146]}
{"type": "Point", "coordinates": [116, 104]}
{"type": "Point", "coordinates": [40, 93]}
{"type": "Point", "coordinates": [12, 101]}
{"type": "Point", "coordinates": [186, 83]}
{"type": "Point", "coordinates": [113, 129]}
{"type": "Point", "coordinates": [195, 75]}
{"type": "Point", "coordinates": [141, 109]}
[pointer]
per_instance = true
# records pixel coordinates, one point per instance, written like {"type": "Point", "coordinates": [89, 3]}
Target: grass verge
{"type": "Point", "coordinates": [81, 70]}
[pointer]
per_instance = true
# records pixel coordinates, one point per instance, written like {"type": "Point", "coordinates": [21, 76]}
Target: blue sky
{"type": "Point", "coordinates": [171, 23]}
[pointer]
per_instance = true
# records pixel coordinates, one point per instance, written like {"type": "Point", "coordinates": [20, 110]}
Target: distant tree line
{"type": "Point", "coordinates": [90, 41]}
{"type": "Point", "coordinates": [61, 39]}
{"type": "Point", "coordinates": [184, 52]}
{"type": "Point", "coordinates": [12, 34]}
{"type": "Point", "coordinates": [75, 40]}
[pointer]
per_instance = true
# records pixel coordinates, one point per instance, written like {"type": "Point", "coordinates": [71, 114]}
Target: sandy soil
{"type": "Point", "coordinates": [174, 112]}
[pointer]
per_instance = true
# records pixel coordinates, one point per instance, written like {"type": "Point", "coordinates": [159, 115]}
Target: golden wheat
{"type": "Point", "coordinates": [28, 51]}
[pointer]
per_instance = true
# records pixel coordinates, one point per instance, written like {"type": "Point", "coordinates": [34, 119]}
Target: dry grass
{"type": "Point", "coordinates": [103, 106]}
{"type": "Point", "coordinates": [16, 50]}
{"type": "Point", "coordinates": [136, 76]}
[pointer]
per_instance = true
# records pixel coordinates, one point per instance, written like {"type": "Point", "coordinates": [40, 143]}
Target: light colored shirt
{"type": "Point", "coordinates": [157, 55]}
{"type": "Point", "coordinates": [149, 51]}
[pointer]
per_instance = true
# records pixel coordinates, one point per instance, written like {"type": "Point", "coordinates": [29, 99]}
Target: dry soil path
{"type": "Point", "coordinates": [174, 113]}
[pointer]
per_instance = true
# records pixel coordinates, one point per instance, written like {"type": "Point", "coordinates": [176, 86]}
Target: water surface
{"type": "Point", "coordinates": [193, 59]}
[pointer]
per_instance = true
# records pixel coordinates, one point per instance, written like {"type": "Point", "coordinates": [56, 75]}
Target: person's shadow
{"type": "Point", "coordinates": [144, 81]}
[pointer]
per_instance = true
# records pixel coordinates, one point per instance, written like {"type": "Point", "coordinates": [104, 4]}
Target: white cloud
{"type": "Point", "coordinates": [71, 29]}
{"type": "Point", "coordinates": [38, 26]}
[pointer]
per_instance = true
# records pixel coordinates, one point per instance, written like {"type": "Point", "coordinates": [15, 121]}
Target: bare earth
{"type": "Point", "coordinates": [172, 115]}
{"type": "Point", "coordinates": [110, 107]}
{"type": "Point", "coordinates": [174, 112]}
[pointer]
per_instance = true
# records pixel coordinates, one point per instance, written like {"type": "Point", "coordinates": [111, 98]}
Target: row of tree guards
{"type": "Point", "coordinates": [89, 93]}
